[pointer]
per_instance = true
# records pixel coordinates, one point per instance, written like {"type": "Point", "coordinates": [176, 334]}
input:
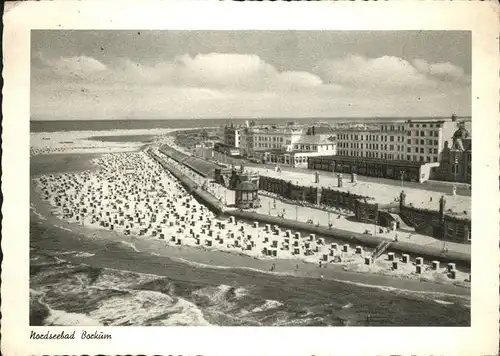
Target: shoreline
{"type": "Point", "coordinates": [211, 258]}
{"type": "Point", "coordinates": [334, 233]}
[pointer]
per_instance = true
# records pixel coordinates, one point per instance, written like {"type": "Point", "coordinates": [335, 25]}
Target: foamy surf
{"type": "Point", "coordinates": [206, 265]}
{"type": "Point", "coordinates": [130, 244]}
{"type": "Point", "coordinates": [62, 318]}
{"type": "Point", "coordinates": [401, 290]}
{"type": "Point", "coordinates": [268, 305]}
{"type": "Point", "coordinates": [40, 216]}
{"type": "Point", "coordinates": [439, 301]}
{"type": "Point", "coordinates": [149, 308]}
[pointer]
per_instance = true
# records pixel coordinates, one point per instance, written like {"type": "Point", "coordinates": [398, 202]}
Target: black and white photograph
{"type": "Point", "coordinates": [199, 178]}
{"type": "Point", "coordinates": [250, 178]}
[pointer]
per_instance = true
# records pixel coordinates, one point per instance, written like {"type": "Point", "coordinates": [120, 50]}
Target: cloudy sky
{"type": "Point", "coordinates": [212, 74]}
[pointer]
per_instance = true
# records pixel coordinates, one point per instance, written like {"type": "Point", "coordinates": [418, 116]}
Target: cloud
{"type": "Point", "coordinates": [81, 66]}
{"type": "Point", "coordinates": [242, 85]}
{"type": "Point", "coordinates": [215, 70]}
{"type": "Point", "coordinates": [383, 72]}
{"type": "Point", "coordinates": [445, 70]}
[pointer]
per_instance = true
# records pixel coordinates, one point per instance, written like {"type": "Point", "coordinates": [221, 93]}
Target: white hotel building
{"type": "Point", "coordinates": [284, 145]}
{"type": "Point", "coordinates": [411, 140]}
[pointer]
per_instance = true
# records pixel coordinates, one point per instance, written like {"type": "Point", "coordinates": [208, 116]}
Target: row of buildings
{"type": "Point", "coordinates": [414, 150]}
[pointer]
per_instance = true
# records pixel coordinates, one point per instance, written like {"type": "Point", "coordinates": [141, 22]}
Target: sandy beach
{"type": "Point", "coordinates": [211, 234]}
{"type": "Point", "coordinates": [84, 244]}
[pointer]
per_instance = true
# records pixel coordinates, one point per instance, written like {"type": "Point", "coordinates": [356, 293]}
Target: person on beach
{"type": "Point", "coordinates": [297, 267]}
{"type": "Point", "coordinates": [273, 267]}
{"type": "Point", "coordinates": [321, 276]}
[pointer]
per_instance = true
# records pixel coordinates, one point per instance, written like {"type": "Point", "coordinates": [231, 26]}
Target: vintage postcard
{"type": "Point", "coordinates": [198, 178]}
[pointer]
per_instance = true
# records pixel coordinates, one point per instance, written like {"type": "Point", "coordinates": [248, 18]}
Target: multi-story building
{"type": "Point", "coordinates": [274, 138]}
{"type": "Point", "coordinates": [297, 153]}
{"type": "Point", "coordinates": [456, 159]}
{"type": "Point", "coordinates": [232, 136]}
{"type": "Point", "coordinates": [251, 139]}
{"type": "Point", "coordinates": [411, 140]}
{"type": "Point", "coordinates": [387, 141]}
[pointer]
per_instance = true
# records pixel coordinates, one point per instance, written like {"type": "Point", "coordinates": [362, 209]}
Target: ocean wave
{"type": "Point", "coordinates": [360, 284]}
{"type": "Point", "coordinates": [401, 290]}
{"type": "Point", "coordinates": [268, 305]}
{"type": "Point", "coordinates": [130, 244]}
{"type": "Point", "coordinates": [84, 254]}
{"type": "Point", "coordinates": [439, 301]}
{"type": "Point", "coordinates": [149, 308]}
{"type": "Point", "coordinates": [62, 318]}
{"type": "Point", "coordinates": [75, 254]}
{"type": "Point", "coordinates": [206, 265]}
{"type": "Point", "coordinates": [40, 216]}
{"type": "Point", "coordinates": [63, 228]}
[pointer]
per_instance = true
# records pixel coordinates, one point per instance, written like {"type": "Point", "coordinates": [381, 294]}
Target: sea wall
{"type": "Point", "coordinates": [330, 234]}
{"type": "Point", "coordinates": [425, 221]}
{"type": "Point", "coordinates": [429, 222]}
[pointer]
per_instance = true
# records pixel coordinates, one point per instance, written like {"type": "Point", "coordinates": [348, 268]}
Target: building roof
{"type": "Point", "coordinates": [371, 160]}
{"type": "Point", "coordinates": [247, 186]}
{"type": "Point", "coordinates": [315, 140]}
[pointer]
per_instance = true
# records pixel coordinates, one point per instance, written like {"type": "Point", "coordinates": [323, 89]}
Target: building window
{"type": "Point", "coordinates": [435, 151]}
{"type": "Point", "coordinates": [428, 159]}
{"type": "Point", "coordinates": [416, 149]}
{"type": "Point", "coordinates": [436, 142]}
{"type": "Point", "coordinates": [391, 138]}
{"type": "Point", "coordinates": [421, 158]}
{"type": "Point", "coordinates": [424, 125]}
{"type": "Point", "coordinates": [421, 150]}
{"type": "Point", "coordinates": [422, 142]}
{"type": "Point", "coordinates": [422, 133]}
{"type": "Point", "coordinates": [408, 141]}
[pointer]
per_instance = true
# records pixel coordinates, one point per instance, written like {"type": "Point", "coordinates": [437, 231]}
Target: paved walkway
{"type": "Point", "coordinates": [275, 207]}
{"type": "Point", "coordinates": [383, 193]}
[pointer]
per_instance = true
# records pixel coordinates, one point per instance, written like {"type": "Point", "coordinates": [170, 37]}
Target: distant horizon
{"type": "Point", "coordinates": [268, 118]}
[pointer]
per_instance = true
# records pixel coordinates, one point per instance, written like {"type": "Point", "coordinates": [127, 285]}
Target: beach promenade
{"type": "Point", "coordinates": [133, 196]}
{"type": "Point", "coordinates": [383, 193]}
